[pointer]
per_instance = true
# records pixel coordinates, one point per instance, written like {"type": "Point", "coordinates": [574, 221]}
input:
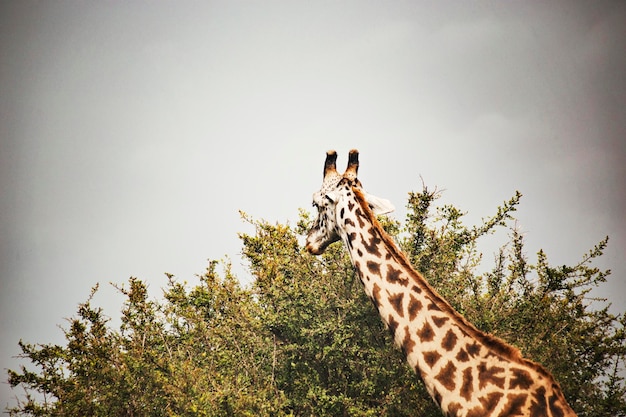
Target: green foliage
{"type": "Point", "coordinates": [202, 351]}
{"type": "Point", "coordinates": [304, 340]}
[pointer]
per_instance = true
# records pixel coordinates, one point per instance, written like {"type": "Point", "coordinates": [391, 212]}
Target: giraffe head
{"type": "Point", "coordinates": [338, 192]}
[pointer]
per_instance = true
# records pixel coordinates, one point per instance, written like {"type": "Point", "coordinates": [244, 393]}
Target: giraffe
{"type": "Point", "coordinates": [466, 372]}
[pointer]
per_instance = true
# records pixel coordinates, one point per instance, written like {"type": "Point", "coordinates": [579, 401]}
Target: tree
{"type": "Point", "coordinates": [202, 351]}
{"type": "Point", "coordinates": [304, 340]}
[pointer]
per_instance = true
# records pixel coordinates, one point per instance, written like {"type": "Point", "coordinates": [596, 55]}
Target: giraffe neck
{"type": "Point", "coordinates": [466, 372]}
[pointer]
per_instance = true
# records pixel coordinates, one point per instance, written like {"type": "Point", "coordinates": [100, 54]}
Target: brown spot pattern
{"type": "Point", "coordinates": [462, 356]}
{"type": "Point", "coordinates": [467, 387]}
{"type": "Point", "coordinates": [433, 307]}
{"type": "Point", "coordinates": [440, 321]}
{"type": "Point", "coordinates": [449, 341]}
{"type": "Point", "coordinates": [539, 405]}
{"type": "Point", "coordinates": [373, 244]}
{"type": "Point", "coordinates": [396, 302]}
{"type": "Point", "coordinates": [414, 307]}
{"type": "Point", "coordinates": [373, 267]}
{"type": "Point", "coordinates": [514, 406]}
{"type": "Point", "coordinates": [490, 401]}
{"type": "Point", "coordinates": [376, 295]}
{"type": "Point", "coordinates": [426, 333]}
{"type": "Point", "coordinates": [394, 276]}
{"type": "Point", "coordinates": [359, 216]}
{"type": "Point", "coordinates": [489, 376]}
{"type": "Point", "coordinates": [416, 289]}
{"type": "Point", "coordinates": [556, 409]}
{"type": "Point", "coordinates": [408, 343]}
{"type": "Point", "coordinates": [476, 412]}
{"type": "Point", "coordinates": [446, 376]}
{"type": "Point", "coordinates": [431, 357]}
{"type": "Point", "coordinates": [473, 349]}
{"type": "Point", "coordinates": [520, 379]}
{"type": "Point", "coordinates": [393, 324]}
{"type": "Point", "coordinates": [453, 409]}
{"type": "Point", "coordinates": [437, 397]}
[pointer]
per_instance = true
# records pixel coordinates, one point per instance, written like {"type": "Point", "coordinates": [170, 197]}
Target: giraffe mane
{"type": "Point", "coordinates": [494, 343]}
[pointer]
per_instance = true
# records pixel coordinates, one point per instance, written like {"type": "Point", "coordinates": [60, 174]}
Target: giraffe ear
{"type": "Point", "coordinates": [379, 205]}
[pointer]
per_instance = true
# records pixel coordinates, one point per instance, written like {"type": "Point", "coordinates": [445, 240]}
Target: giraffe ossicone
{"type": "Point", "coordinates": [466, 371]}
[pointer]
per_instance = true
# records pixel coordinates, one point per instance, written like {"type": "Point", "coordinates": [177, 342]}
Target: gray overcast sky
{"type": "Point", "coordinates": [133, 132]}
